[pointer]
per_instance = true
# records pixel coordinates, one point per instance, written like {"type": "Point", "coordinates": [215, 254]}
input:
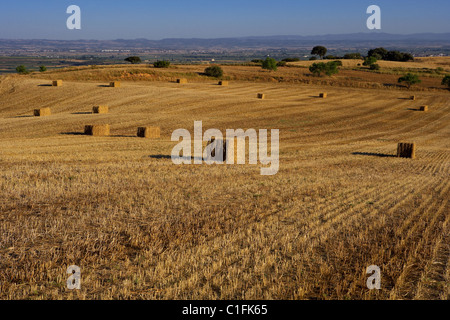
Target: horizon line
{"type": "Point", "coordinates": [242, 37]}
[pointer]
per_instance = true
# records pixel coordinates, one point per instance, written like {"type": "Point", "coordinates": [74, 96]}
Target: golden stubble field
{"type": "Point", "coordinates": [140, 227]}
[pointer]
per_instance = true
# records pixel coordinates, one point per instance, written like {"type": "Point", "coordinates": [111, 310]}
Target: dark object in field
{"type": "Point", "coordinates": [406, 150]}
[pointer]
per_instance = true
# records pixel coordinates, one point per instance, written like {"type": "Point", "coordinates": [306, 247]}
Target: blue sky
{"type": "Point", "coordinates": [46, 19]}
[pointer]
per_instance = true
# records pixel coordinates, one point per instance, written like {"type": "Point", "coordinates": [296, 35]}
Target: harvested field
{"type": "Point", "coordinates": [140, 227]}
{"type": "Point", "coordinates": [298, 73]}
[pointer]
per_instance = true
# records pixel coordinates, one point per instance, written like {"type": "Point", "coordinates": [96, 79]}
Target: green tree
{"type": "Point", "coordinates": [377, 56]}
{"type": "Point", "coordinates": [369, 61]}
{"type": "Point", "coordinates": [398, 56]}
{"type": "Point", "coordinates": [383, 54]}
{"type": "Point", "coordinates": [380, 52]}
{"type": "Point", "coordinates": [407, 57]}
{"type": "Point", "coordinates": [161, 64]}
{"type": "Point", "coordinates": [410, 79]}
{"type": "Point", "coordinates": [317, 68]}
{"type": "Point", "coordinates": [133, 60]}
{"type": "Point", "coordinates": [319, 51]}
{"type": "Point", "coordinates": [375, 66]}
{"type": "Point", "coordinates": [270, 64]}
{"type": "Point", "coordinates": [42, 68]}
{"type": "Point", "coordinates": [329, 68]}
{"type": "Point", "coordinates": [22, 69]}
{"type": "Point", "coordinates": [446, 81]}
{"type": "Point", "coordinates": [214, 71]}
{"type": "Point", "coordinates": [394, 56]}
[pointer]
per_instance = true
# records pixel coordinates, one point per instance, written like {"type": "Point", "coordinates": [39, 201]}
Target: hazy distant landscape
{"type": "Point", "coordinates": [63, 53]}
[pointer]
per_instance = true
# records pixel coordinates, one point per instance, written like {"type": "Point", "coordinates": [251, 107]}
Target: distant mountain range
{"type": "Point", "coordinates": [354, 40]}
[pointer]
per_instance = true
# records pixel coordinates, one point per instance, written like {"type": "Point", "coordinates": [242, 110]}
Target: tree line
{"type": "Point", "coordinates": [317, 69]}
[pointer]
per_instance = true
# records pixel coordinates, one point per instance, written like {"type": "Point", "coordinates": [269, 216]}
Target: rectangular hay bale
{"type": "Point", "coordinates": [227, 157]}
{"type": "Point", "coordinates": [57, 83]}
{"type": "Point", "coordinates": [406, 150]}
{"type": "Point", "coordinates": [100, 109]}
{"type": "Point", "coordinates": [215, 143]}
{"type": "Point", "coordinates": [223, 83]}
{"type": "Point", "coordinates": [182, 80]}
{"type": "Point", "coordinates": [97, 130]}
{"type": "Point", "coordinates": [149, 132]}
{"type": "Point", "coordinates": [261, 96]}
{"type": "Point", "coordinates": [42, 112]}
{"type": "Point", "coordinates": [323, 95]}
{"type": "Point", "coordinates": [114, 84]}
{"type": "Point", "coordinates": [413, 98]}
{"type": "Point", "coordinates": [424, 108]}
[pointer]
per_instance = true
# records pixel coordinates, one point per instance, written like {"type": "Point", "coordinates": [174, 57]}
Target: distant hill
{"type": "Point", "coordinates": [355, 40]}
